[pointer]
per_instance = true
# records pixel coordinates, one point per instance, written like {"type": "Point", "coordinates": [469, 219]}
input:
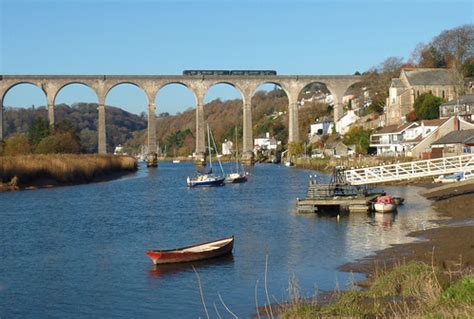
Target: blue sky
{"type": "Point", "coordinates": [166, 37]}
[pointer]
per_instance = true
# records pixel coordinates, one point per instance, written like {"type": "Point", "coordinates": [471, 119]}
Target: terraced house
{"type": "Point", "coordinates": [413, 82]}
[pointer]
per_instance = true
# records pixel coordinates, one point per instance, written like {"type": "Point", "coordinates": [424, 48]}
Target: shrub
{"type": "Point", "coordinates": [58, 143]}
{"type": "Point", "coordinates": [16, 144]}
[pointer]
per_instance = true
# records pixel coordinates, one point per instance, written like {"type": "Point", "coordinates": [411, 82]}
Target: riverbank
{"type": "Point", "coordinates": [38, 171]}
{"type": "Point", "coordinates": [432, 276]}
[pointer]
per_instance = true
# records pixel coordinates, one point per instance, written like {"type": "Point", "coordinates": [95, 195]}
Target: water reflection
{"type": "Point", "coordinates": [171, 269]}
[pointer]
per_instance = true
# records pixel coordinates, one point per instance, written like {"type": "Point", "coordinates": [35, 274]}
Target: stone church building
{"type": "Point", "coordinates": [413, 82]}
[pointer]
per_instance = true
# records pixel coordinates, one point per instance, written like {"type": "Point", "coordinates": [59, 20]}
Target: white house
{"type": "Point", "coordinates": [344, 123]}
{"type": "Point", "coordinates": [321, 128]}
{"type": "Point", "coordinates": [266, 143]}
{"type": "Point", "coordinates": [227, 147]}
{"type": "Point", "coordinates": [414, 139]}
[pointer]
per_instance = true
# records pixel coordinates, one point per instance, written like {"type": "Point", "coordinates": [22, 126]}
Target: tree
{"type": "Point", "coordinates": [427, 106]}
{"type": "Point", "coordinates": [17, 144]}
{"type": "Point", "coordinates": [359, 137]}
{"type": "Point", "coordinates": [39, 129]}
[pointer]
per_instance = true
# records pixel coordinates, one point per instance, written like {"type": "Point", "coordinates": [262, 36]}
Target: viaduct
{"type": "Point", "coordinates": [198, 84]}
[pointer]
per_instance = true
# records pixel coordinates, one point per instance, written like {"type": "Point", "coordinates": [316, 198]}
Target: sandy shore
{"type": "Point", "coordinates": [450, 246]}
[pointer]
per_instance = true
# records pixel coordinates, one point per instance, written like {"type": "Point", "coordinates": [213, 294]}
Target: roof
{"type": "Point", "coordinates": [428, 76]}
{"type": "Point", "coordinates": [395, 128]}
{"type": "Point", "coordinates": [454, 137]}
{"type": "Point", "coordinates": [397, 83]}
{"type": "Point", "coordinates": [463, 99]}
{"type": "Point", "coordinates": [435, 122]}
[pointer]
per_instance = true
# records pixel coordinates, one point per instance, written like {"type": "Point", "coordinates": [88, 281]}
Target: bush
{"type": "Point", "coordinates": [16, 144]}
{"type": "Point", "coordinates": [58, 143]}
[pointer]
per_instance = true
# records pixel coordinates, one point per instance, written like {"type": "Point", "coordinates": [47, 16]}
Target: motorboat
{"type": "Point", "coordinates": [384, 204]}
{"type": "Point", "coordinates": [452, 178]}
{"type": "Point", "coordinates": [176, 161]}
{"type": "Point", "coordinates": [196, 252]}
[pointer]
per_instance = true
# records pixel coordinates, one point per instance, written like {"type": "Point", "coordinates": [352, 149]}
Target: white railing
{"type": "Point", "coordinates": [408, 170]}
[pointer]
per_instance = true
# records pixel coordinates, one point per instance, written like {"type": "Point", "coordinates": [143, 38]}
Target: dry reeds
{"type": "Point", "coordinates": [63, 168]}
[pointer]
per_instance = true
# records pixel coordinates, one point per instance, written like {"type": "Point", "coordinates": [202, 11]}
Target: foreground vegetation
{"type": "Point", "coordinates": [26, 170]}
{"type": "Point", "coordinates": [414, 289]}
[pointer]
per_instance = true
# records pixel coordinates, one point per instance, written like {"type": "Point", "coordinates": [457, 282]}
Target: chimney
{"type": "Point", "coordinates": [456, 123]}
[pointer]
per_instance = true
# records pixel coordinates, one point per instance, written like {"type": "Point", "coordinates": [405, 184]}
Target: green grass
{"type": "Point", "coordinates": [408, 290]}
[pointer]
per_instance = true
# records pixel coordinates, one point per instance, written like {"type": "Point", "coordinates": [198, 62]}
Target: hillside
{"type": "Point", "coordinates": [175, 134]}
{"type": "Point", "coordinates": [83, 118]}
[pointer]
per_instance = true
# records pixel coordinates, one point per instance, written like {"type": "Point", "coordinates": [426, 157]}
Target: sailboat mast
{"type": "Point", "coordinates": [209, 145]}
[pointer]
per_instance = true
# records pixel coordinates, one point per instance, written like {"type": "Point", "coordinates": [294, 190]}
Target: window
{"type": "Point", "coordinates": [442, 94]}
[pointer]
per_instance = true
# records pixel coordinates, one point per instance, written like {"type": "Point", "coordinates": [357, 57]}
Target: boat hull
{"type": "Point", "coordinates": [207, 183]}
{"type": "Point", "coordinates": [182, 255]}
{"type": "Point", "coordinates": [384, 208]}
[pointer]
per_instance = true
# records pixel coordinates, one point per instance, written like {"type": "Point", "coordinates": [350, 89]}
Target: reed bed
{"type": "Point", "coordinates": [62, 168]}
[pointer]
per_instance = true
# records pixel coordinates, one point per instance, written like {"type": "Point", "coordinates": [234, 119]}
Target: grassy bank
{"type": "Point", "coordinates": [35, 170]}
{"type": "Point", "coordinates": [413, 289]}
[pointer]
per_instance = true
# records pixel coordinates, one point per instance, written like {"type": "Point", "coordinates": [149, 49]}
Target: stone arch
{"type": "Point", "coordinates": [4, 94]}
{"type": "Point", "coordinates": [62, 86]}
{"type": "Point", "coordinates": [280, 84]}
{"type": "Point", "coordinates": [114, 85]}
{"type": "Point", "coordinates": [7, 89]}
{"type": "Point", "coordinates": [182, 83]}
{"type": "Point", "coordinates": [234, 85]}
{"type": "Point", "coordinates": [189, 101]}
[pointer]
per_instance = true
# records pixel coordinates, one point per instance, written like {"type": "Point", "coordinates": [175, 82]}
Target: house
{"type": "Point", "coordinates": [227, 147]}
{"type": "Point", "coordinates": [266, 143]}
{"type": "Point", "coordinates": [412, 82]}
{"type": "Point", "coordinates": [415, 138]}
{"type": "Point", "coordinates": [393, 140]}
{"type": "Point", "coordinates": [454, 143]}
{"type": "Point", "coordinates": [338, 149]}
{"type": "Point", "coordinates": [423, 147]}
{"type": "Point", "coordinates": [321, 128]}
{"type": "Point", "coordinates": [464, 107]}
{"type": "Point", "coordinates": [344, 123]}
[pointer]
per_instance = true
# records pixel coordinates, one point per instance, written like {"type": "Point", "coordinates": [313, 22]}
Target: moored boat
{"type": "Point", "coordinates": [236, 178]}
{"type": "Point", "coordinates": [201, 251]}
{"type": "Point", "coordinates": [208, 178]}
{"type": "Point", "coordinates": [385, 204]}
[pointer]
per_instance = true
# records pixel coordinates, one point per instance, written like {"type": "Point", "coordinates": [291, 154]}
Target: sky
{"type": "Point", "coordinates": [146, 37]}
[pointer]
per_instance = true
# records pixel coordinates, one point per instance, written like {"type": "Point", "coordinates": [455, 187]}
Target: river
{"type": "Point", "coordinates": [79, 251]}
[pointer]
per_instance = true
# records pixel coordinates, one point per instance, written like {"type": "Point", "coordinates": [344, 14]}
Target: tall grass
{"type": "Point", "coordinates": [63, 168]}
{"type": "Point", "coordinates": [408, 290]}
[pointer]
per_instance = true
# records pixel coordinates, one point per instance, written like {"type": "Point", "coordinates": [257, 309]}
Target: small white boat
{"type": "Point", "coordinates": [289, 163]}
{"type": "Point", "coordinates": [385, 204]}
{"type": "Point", "coordinates": [455, 177]}
{"type": "Point", "coordinates": [176, 161]}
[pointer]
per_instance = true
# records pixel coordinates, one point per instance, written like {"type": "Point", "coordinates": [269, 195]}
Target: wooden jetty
{"type": "Point", "coordinates": [336, 196]}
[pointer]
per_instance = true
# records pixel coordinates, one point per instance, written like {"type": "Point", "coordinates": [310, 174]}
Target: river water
{"type": "Point", "coordinates": [79, 251]}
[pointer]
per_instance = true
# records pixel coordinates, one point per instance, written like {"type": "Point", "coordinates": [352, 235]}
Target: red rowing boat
{"type": "Point", "coordinates": [207, 250]}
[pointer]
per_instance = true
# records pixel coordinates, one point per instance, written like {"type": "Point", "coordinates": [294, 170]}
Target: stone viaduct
{"type": "Point", "coordinates": [199, 84]}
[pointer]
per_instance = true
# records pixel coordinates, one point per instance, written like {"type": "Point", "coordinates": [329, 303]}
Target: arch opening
{"type": "Point", "coordinates": [175, 120]}
{"type": "Point", "coordinates": [223, 112]}
{"type": "Point", "coordinates": [23, 103]}
{"type": "Point", "coordinates": [126, 107]}
{"type": "Point", "coordinates": [75, 110]}
{"type": "Point", "coordinates": [270, 121]}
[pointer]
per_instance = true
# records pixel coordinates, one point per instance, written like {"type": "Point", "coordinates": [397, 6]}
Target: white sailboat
{"type": "Point", "coordinates": [208, 178]}
{"type": "Point", "coordinates": [239, 176]}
